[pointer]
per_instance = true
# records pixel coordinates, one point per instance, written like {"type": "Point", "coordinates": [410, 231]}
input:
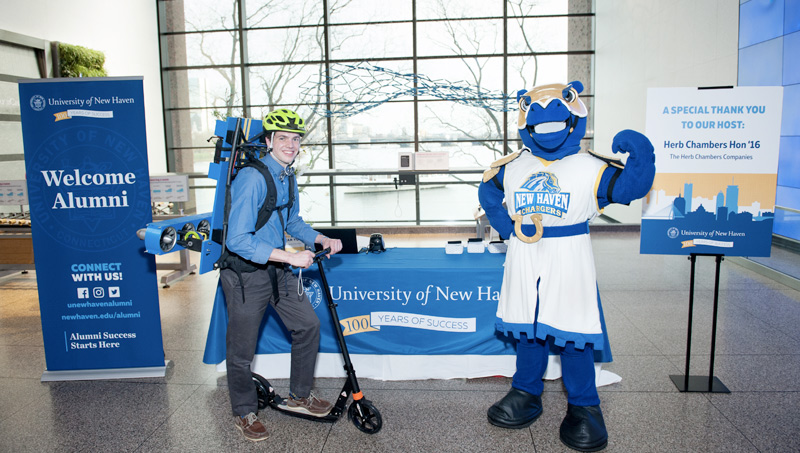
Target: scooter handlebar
{"type": "Point", "coordinates": [321, 254]}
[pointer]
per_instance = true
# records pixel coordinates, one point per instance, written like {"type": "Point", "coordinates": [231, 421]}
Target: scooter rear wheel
{"type": "Point", "coordinates": [365, 416]}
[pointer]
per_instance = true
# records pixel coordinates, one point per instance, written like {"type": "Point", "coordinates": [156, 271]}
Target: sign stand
{"type": "Point", "coordinates": [89, 193]}
{"type": "Point", "coordinates": [710, 383]}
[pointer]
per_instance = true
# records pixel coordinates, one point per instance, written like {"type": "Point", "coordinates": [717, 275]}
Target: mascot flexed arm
{"type": "Point", "coordinates": [549, 298]}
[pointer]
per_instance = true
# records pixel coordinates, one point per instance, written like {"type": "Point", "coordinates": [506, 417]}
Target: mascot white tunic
{"type": "Point", "coordinates": [565, 192]}
{"type": "Point", "coordinates": [542, 198]}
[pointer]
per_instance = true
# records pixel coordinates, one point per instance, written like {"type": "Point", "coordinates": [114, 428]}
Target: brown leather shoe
{"type": "Point", "coordinates": [251, 427]}
{"type": "Point", "coordinates": [310, 405]}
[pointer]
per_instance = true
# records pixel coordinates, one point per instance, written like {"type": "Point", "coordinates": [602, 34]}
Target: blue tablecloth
{"type": "Point", "coordinates": [411, 301]}
{"type": "Point", "coordinates": [407, 313]}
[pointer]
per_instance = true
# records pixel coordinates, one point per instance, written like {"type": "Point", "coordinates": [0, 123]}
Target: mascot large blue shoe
{"type": "Point", "coordinates": [549, 299]}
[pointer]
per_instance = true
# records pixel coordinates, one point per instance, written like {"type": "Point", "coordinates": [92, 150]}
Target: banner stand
{"type": "Point", "coordinates": [710, 383]}
{"type": "Point", "coordinates": [89, 193]}
{"type": "Point", "coordinates": [106, 373]}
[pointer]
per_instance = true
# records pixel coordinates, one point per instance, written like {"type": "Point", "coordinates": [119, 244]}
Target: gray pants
{"type": "Point", "coordinates": [244, 321]}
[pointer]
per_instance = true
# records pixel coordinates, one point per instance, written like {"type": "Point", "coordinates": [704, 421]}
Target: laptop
{"type": "Point", "coordinates": [346, 235]}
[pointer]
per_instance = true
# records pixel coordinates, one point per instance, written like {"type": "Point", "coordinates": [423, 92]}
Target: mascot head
{"type": "Point", "coordinates": [552, 120]}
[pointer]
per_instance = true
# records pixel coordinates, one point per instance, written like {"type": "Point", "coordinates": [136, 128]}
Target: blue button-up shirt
{"type": "Point", "coordinates": [248, 193]}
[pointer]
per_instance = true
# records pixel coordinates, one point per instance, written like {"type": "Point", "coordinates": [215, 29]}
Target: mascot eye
{"type": "Point", "coordinates": [569, 94]}
{"type": "Point", "coordinates": [525, 103]}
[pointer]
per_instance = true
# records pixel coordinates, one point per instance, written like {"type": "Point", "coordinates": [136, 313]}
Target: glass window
{"type": "Point", "coordinates": [216, 87]}
{"type": "Point", "coordinates": [202, 15]}
{"type": "Point", "coordinates": [365, 41]}
{"type": "Point", "coordinates": [456, 9]}
{"type": "Point", "coordinates": [472, 178]}
{"type": "Point", "coordinates": [468, 79]}
{"type": "Point", "coordinates": [270, 14]}
{"type": "Point", "coordinates": [191, 128]}
{"type": "Point", "coordinates": [361, 86]}
{"type": "Point", "coordinates": [366, 204]}
{"type": "Point", "coordinates": [315, 205]}
{"type": "Point", "coordinates": [538, 7]}
{"type": "Point", "coordinates": [312, 157]}
{"type": "Point", "coordinates": [369, 92]}
{"type": "Point", "coordinates": [446, 204]}
{"type": "Point", "coordinates": [203, 49]}
{"type": "Point", "coordinates": [465, 37]}
{"type": "Point", "coordinates": [285, 45]}
{"type": "Point", "coordinates": [527, 72]}
{"type": "Point", "coordinates": [204, 197]}
{"type": "Point", "coordinates": [379, 156]}
{"type": "Point", "coordinates": [287, 84]}
{"type": "Point", "coordinates": [352, 11]}
{"type": "Point", "coordinates": [540, 34]}
{"type": "Point", "coordinates": [448, 120]}
{"type": "Point", "coordinates": [466, 154]}
{"type": "Point", "coordinates": [387, 122]}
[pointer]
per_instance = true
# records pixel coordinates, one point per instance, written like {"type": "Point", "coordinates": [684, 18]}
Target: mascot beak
{"type": "Point", "coordinates": [545, 94]}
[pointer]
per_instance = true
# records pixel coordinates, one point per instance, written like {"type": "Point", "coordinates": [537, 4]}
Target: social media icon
{"type": "Point", "coordinates": [83, 293]}
{"type": "Point", "coordinates": [98, 292]}
{"type": "Point", "coordinates": [113, 291]}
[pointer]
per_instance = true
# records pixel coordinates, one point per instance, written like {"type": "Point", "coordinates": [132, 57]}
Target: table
{"type": "Point", "coordinates": [407, 313]}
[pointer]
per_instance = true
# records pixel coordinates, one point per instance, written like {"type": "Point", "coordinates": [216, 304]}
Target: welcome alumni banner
{"type": "Point", "coordinates": [716, 162]}
{"type": "Point", "coordinates": [89, 192]}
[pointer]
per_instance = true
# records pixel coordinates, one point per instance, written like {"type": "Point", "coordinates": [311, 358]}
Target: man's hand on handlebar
{"type": "Point", "coordinates": [334, 244]}
{"type": "Point", "coordinates": [302, 259]}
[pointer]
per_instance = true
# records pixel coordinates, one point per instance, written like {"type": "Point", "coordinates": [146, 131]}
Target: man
{"type": "Point", "coordinates": [256, 272]}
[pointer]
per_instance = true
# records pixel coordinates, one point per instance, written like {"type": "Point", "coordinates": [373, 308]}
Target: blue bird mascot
{"type": "Point", "coordinates": [549, 300]}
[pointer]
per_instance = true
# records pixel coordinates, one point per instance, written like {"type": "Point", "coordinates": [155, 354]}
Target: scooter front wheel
{"type": "Point", "coordinates": [365, 416]}
{"type": "Point", "coordinates": [264, 393]}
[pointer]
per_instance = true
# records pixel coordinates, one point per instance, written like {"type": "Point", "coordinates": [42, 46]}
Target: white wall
{"type": "Point", "coordinates": [125, 31]}
{"type": "Point", "coordinates": [656, 43]}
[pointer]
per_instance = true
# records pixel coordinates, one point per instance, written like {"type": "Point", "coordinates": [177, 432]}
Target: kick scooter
{"type": "Point", "coordinates": [361, 412]}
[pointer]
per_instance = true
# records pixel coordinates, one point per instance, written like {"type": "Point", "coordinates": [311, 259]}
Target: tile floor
{"type": "Point", "coordinates": [645, 298]}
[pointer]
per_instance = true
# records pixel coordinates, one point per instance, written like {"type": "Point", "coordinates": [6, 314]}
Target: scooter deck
{"type": "Point", "coordinates": [279, 405]}
{"type": "Point", "coordinates": [268, 398]}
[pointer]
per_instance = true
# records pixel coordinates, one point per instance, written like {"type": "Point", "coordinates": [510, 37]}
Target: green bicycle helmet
{"type": "Point", "coordinates": [284, 120]}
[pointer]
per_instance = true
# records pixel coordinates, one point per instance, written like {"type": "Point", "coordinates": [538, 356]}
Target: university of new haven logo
{"type": "Point", "coordinates": [38, 103]}
{"type": "Point", "coordinates": [313, 291]}
{"type": "Point", "coordinates": [541, 194]}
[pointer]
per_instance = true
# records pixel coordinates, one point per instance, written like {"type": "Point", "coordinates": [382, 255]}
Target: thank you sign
{"type": "Point", "coordinates": [89, 192]}
{"type": "Point", "coordinates": [716, 170]}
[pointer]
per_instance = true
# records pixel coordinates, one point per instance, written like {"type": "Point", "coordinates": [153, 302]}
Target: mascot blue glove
{"type": "Point", "coordinates": [542, 198]}
{"type": "Point", "coordinates": [637, 175]}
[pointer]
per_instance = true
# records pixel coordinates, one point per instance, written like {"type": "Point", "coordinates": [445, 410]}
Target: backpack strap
{"type": "Point", "coordinates": [265, 212]}
{"type": "Point", "coordinates": [239, 264]}
{"type": "Point", "coordinates": [271, 201]}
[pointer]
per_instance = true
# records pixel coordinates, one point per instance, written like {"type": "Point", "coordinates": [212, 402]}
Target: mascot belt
{"type": "Point", "coordinates": [533, 232]}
